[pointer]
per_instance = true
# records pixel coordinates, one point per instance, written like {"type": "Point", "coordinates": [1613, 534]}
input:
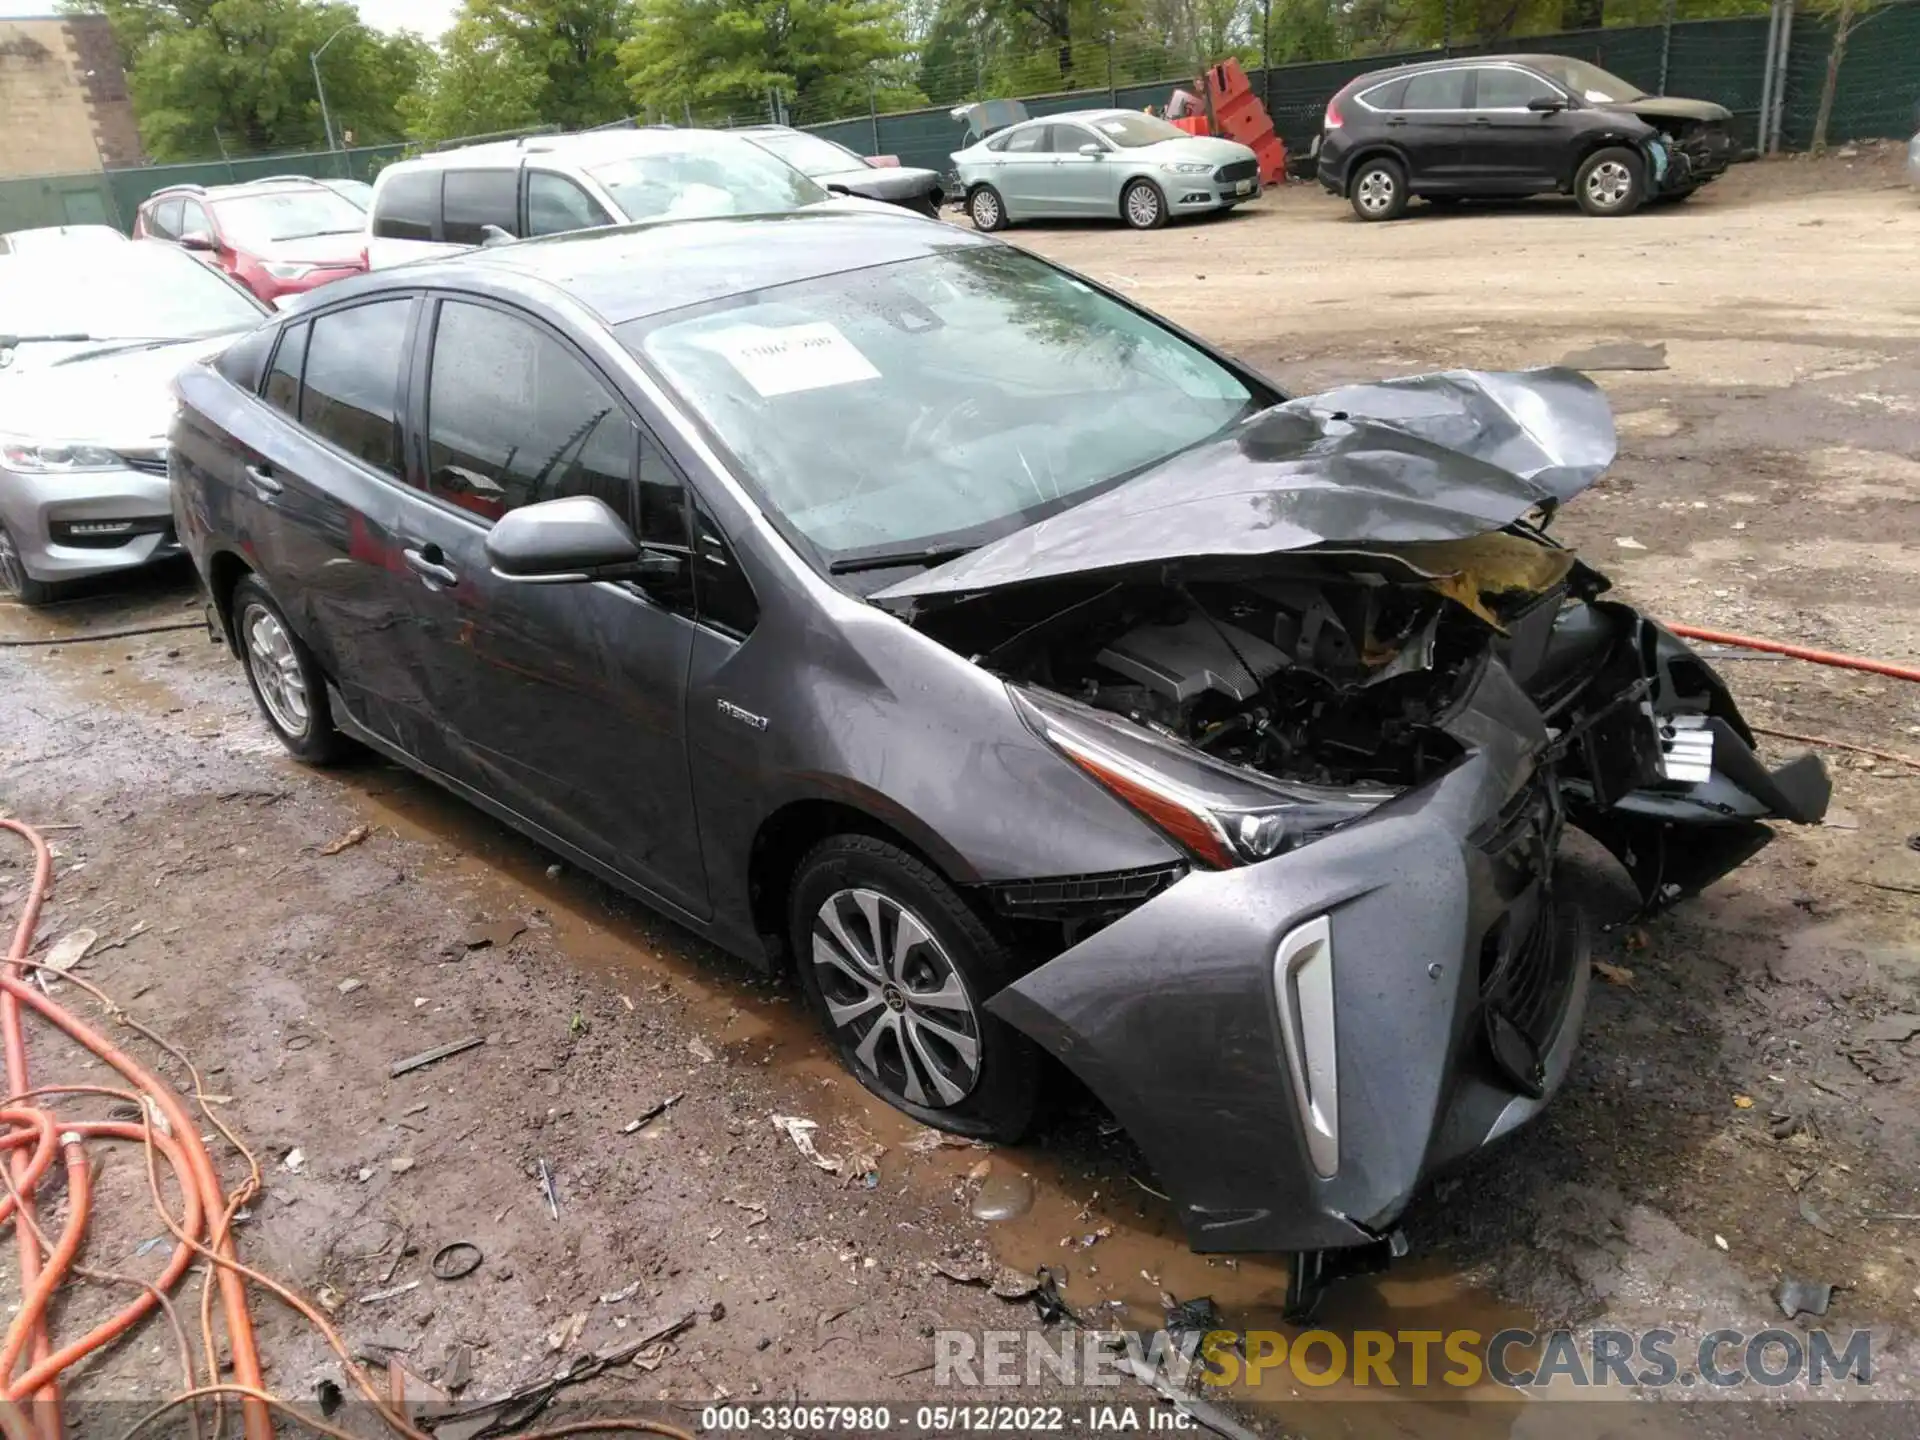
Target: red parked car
{"type": "Point", "coordinates": [278, 237]}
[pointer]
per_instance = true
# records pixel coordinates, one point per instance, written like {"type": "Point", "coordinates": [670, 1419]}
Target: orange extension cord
{"type": "Point", "coordinates": [1798, 652]}
{"type": "Point", "coordinates": [31, 1136]}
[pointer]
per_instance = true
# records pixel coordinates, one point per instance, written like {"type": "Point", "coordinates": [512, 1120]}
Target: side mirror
{"type": "Point", "coordinates": [494, 235]}
{"type": "Point", "coordinates": [196, 240]}
{"type": "Point", "coordinates": [838, 190]}
{"type": "Point", "coordinates": [1546, 104]}
{"type": "Point", "coordinates": [579, 538]}
{"type": "Point", "coordinates": [1096, 151]}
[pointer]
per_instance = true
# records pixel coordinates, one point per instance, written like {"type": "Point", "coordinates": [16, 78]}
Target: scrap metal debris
{"type": "Point", "coordinates": [564, 1337]}
{"type": "Point", "coordinates": [347, 841]}
{"type": "Point", "coordinates": [1005, 1281]}
{"type": "Point", "coordinates": [455, 1260]}
{"type": "Point", "coordinates": [545, 1174]}
{"type": "Point", "coordinates": [1190, 1321]}
{"type": "Point", "coordinates": [800, 1131]}
{"type": "Point", "coordinates": [1802, 1297]}
{"type": "Point", "coordinates": [374, 1297]}
{"type": "Point", "coordinates": [429, 1057]}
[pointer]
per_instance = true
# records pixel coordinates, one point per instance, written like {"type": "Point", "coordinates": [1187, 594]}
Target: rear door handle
{"type": "Point", "coordinates": [1397, 120]}
{"type": "Point", "coordinates": [1482, 120]}
{"type": "Point", "coordinates": [427, 563]}
{"type": "Point", "coordinates": [264, 485]}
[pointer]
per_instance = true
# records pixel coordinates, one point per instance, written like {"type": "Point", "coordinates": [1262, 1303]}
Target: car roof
{"type": "Point", "coordinates": [631, 272]}
{"type": "Point", "coordinates": [586, 148]}
{"type": "Point", "coordinates": [1453, 62]}
{"type": "Point", "coordinates": [271, 185]}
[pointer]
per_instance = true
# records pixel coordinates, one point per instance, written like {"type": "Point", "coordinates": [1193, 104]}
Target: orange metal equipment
{"type": "Point", "coordinates": [1240, 116]}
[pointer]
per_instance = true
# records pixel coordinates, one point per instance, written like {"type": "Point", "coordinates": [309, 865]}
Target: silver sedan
{"type": "Point", "coordinates": [1092, 164]}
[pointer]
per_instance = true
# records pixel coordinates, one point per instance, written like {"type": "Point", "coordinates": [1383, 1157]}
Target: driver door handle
{"type": "Point", "coordinates": [429, 564]}
{"type": "Point", "coordinates": [262, 481]}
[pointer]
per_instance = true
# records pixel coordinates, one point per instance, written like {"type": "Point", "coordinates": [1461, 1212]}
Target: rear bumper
{"type": "Point", "coordinates": [70, 527]}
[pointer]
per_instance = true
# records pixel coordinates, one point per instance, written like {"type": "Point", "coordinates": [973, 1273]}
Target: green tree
{"type": "Point", "coordinates": [207, 75]}
{"type": "Point", "coordinates": [573, 45]}
{"type": "Point", "coordinates": [477, 83]}
{"type": "Point", "coordinates": [725, 56]}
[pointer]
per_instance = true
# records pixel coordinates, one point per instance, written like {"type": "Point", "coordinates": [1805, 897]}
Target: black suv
{"type": "Point", "coordinates": [1503, 125]}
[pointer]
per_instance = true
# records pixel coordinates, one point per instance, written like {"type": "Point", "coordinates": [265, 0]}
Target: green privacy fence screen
{"type": "Point", "coordinates": [1717, 60]}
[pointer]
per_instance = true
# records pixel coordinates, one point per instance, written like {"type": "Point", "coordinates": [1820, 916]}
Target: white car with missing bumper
{"type": "Point", "coordinates": [93, 340]}
{"type": "Point", "coordinates": [1103, 164]}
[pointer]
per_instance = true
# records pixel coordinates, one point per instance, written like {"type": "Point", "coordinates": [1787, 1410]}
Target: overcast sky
{"type": "Point", "coordinates": [427, 17]}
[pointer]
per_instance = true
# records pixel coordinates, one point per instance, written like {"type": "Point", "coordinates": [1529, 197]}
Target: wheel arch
{"type": "Point", "coordinates": [1120, 198]}
{"type": "Point", "coordinates": [225, 570]}
{"type": "Point", "coordinates": [1599, 140]}
{"type": "Point", "coordinates": [786, 835]}
{"type": "Point", "coordinates": [1378, 150]}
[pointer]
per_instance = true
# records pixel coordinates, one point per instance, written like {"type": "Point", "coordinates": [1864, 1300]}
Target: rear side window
{"type": "Point", "coordinates": [1390, 96]}
{"type": "Point", "coordinates": [351, 392]}
{"type": "Point", "coordinates": [513, 417]}
{"type": "Point", "coordinates": [240, 362]}
{"type": "Point", "coordinates": [407, 206]}
{"type": "Point", "coordinates": [1501, 89]}
{"type": "Point", "coordinates": [556, 205]}
{"type": "Point", "coordinates": [1436, 90]}
{"type": "Point", "coordinates": [193, 219]}
{"type": "Point", "coordinates": [1067, 139]}
{"type": "Point", "coordinates": [163, 219]}
{"type": "Point", "coordinates": [475, 199]}
{"type": "Point", "coordinates": [1028, 141]}
{"type": "Point", "coordinates": [283, 379]}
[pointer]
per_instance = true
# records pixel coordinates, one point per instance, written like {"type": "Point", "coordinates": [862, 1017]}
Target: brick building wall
{"type": "Point", "coordinates": [63, 97]}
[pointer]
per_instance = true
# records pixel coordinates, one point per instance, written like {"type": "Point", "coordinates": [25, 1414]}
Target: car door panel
{"type": "Point", "coordinates": [1081, 184]}
{"type": "Point", "coordinates": [564, 703]}
{"type": "Point", "coordinates": [1431, 127]}
{"type": "Point", "coordinates": [1510, 148]}
{"type": "Point", "coordinates": [318, 511]}
{"type": "Point", "coordinates": [1022, 174]}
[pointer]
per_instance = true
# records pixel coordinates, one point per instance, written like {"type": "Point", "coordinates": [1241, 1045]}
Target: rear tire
{"type": "Point", "coordinates": [1379, 190]}
{"type": "Point", "coordinates": [986, 209]}
{"type": "Point", "coordinates": [898, 967]}
{"type": "Point", "coordinates": [14, 579]}
{"type": "Point", "coordinates": [286, 680]}
{"type": "Point", "coordinates": [1610, 182]}
{"type": "Point", "coordinates": [1142, 206]}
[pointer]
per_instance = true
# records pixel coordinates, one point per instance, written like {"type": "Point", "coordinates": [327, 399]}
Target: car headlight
{"type": "Point", "coordinates": [1186, 167]}
{"type": "Point", "coordinates": [287, 269]}
{"type": "Point", "coordinates": [1220, 814]}
{"type": "Point", "coordinates": [24, 457]}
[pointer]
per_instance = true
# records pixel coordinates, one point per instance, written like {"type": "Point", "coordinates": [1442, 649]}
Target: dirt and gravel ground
{"type": "Point", "coordinates": [1743, 1107]}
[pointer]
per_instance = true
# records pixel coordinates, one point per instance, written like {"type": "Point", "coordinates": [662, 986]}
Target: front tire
{"type": "Point", "coordinates": [14, 579]}
{"type": "Point", "coordinates": [1611, 182]}
{"type": "Point", "coordinates": [897, 966]}
{"type": "Point", "coordinates": [1379, 190]}
{"type": "Point", "coordinates": [286, 680]}
{"type": "Point", "coordinates": [986, 209]}
{"type": "Point", "coordinates": [1142, 206]}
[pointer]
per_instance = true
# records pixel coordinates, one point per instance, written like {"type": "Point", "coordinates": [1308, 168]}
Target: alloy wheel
{"type": "Point", "coordinates": [986, 210]}
{"type": "Point", "coordinates": [1143, 206]}
{"type": "Point", "coordinates": [275, 668]}
{"type": "Point", "coordinates": [895, 998]}
{"type": "Point", "coordinates": [1609, 184]}
{"type": "Point", "coordinates": [13, 570]}
{"type": "Point", "coordinates": [1375, 192]}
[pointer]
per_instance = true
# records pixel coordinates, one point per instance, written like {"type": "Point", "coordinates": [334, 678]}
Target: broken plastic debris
{"type": "Point", "coordinates": [1627, 542]}
{"type": "Point", "coordinates": [70, 950]}
{"type": "Point", "coordinates": [1802, 1297]}
{"type": "Point", "coordinates": [700, 1050]}
{"type": "Point", "coordinates": [295, 1161]}
{"type": "Point", "coordinates": [800, 1131]}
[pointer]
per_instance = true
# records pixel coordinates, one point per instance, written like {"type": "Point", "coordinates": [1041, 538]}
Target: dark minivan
{"type": "Point", "coordinates": [1512, 125]}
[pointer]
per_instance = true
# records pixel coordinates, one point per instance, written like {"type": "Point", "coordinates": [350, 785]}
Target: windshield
{"type": "Point", "coordinates": [942, 400]}
{"type": "Point", "coordinates": [357, 191]}
{"type": "Point", "coordinates": [1589, 82]}
{"type": "Point", "coordinates": [699, 176]}
{"type": "Point", "coordinates": [253, 222]}
{"type": "Point", "coordinates": [808, 154]}
{"type": "Point", "coordinates": [137, 291]}
{"type": "Point", "coordinates": [1130, 132]}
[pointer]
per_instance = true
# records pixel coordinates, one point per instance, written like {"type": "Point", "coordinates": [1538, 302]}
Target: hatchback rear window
{"type": "Point", "coordinates": [1436, 90]}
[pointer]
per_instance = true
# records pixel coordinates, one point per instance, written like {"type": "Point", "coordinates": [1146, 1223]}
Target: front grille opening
{"type": "Point", "coordinates": [1526, 977]}
{"type": "Point", "coordinates": [1058, 913]}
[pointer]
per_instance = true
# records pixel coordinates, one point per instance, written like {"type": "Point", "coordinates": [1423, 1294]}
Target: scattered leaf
{"type": "Point", "coordinates": [347, 841]}
{"type": "Point", "coordinates": [1613, 974]}
{"type": "Point", "coordinates": [1743, 1102]}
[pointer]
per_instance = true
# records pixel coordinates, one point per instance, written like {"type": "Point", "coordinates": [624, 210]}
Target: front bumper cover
{"type": "Point", "coordinates": [1290, 1105]}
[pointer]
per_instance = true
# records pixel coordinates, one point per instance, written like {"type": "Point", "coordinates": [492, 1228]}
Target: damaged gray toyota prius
{"type": "Point", "coordinates": [1026, 677]}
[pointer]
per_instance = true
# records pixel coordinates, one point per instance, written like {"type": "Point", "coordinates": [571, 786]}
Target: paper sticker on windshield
{"type": "Point", "coordinates": [793, 357]}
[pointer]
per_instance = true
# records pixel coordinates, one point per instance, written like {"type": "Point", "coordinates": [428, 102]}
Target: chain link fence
{"type": "Point", "coordinates": [1690, 49]}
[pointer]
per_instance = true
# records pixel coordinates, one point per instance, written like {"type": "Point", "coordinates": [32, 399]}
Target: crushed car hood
{"type": "Point", "coordinates": [1430, 458]}
{"type": "Point", "coordinates": [1673, 107]}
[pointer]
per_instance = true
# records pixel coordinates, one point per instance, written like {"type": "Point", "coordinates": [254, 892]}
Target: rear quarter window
{"type": "Point", "coordinates": [1389, 96]}
{"type": "Point", "coordinates": [407, 205]}
{"type": "Point", "coordinates": [241, 362]}
{"type": "Point", "coordinates": [475, 199]}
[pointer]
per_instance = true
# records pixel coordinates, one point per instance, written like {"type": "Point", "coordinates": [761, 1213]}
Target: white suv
{"type": "Point", "coordinates": [455, 199]}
